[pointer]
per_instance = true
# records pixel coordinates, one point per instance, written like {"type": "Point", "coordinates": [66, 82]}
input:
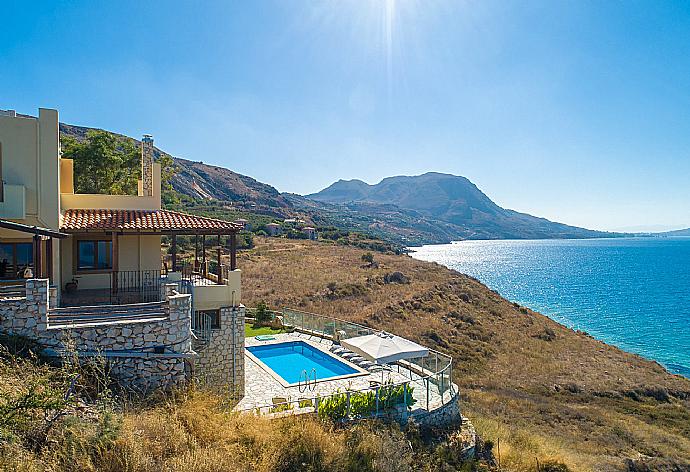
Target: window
{"type": "Point", "coordinates": [94, 255]}
{"type": "Point", "coordinates": [14, 258]}
{"type": "Point", "coordinates": [214, 315]}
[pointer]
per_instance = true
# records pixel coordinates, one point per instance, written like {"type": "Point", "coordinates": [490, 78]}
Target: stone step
{"type": "Point", "coordinates": [105, 318]}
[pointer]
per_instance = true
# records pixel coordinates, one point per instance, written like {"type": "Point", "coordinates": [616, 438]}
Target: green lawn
{"type": "Point", "coordinates": [250, 331]}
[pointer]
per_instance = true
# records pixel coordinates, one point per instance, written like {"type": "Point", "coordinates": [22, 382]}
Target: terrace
{"type": "Point", "coordinates": [426, 379]}
{"type": "Point", "coordinates": [104, 242]}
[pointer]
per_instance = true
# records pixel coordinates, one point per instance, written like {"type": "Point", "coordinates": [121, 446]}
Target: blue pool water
{"type": "Point", "coordinates": [633, 293]}
{"type": "Point", "coordinates": [289, 360]}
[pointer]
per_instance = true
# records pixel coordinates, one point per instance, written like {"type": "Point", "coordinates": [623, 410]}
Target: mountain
{"type": "Point", "coordinates": [427, 209]}
{"type": "Point", "coordinates": [453, 200]}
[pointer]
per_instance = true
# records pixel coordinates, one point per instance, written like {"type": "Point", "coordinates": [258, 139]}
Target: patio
{"type": "Point", "coordinates": [261, 387]}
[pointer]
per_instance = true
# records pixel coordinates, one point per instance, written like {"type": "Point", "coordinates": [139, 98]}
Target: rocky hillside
{"type": "Point", "coordinates": [453, 200]}
{"type": "Point", "coordinates": [200, 180]}
{"type": "Point", "coordinates": [208, 182]}
{"type": "Point", "coordinates": [427, 209]}
{"type": "Point", "coordinates": [678, 233]}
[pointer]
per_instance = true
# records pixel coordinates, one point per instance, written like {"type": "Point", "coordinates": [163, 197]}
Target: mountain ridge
{"type": "Point", "coordinates": [444, 215]}
{"type": "Point", "coordinates": [455, 200]}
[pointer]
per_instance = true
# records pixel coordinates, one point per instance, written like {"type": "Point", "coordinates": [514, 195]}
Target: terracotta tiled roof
{"type": "Point", "coordinates": [76, 220]}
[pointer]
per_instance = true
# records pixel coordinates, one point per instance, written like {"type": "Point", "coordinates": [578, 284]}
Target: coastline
{"type": "Point", "coordinates": [543, 389]}
{"type": "Point", "coordinates": [556, 313]}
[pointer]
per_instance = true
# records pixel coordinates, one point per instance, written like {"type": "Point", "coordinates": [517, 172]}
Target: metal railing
{"type": "Point", "coordinates": [348, 405]}
{"type": "Point", "coordinates": [139, 286]}
{"type": "Point", "coordinates": [203, 273]}
{"type": "Point", "coordinates": [13, 289]}
{"type": "Point", "coordinates": [201, 329]}
{"type": "Point", "coordinates": [433, 373]}
{"type": "Point", "coordinates": [124, 287]}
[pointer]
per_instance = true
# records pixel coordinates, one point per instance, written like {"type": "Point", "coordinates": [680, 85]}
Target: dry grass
{"type": "Point", "coordinates": [194, 433]}
{"type": "Point", "coordinates": [546, 391]}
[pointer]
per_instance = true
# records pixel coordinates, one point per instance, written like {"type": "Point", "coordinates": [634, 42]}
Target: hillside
{"type": "Point", "coordinates": [207, 182]}
{"type": "Point", "coordinates": [409, 211]}
{"type": "Point", "coordinates": [453, 200]}
{"type": "Point", "coordinates": [544, 390]}
{"type": "Point", "coordinates": [93, 429]}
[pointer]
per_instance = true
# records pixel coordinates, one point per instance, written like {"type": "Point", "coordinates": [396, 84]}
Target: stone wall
{"type": "Point", "coordinates": [446, 415]}
{"type": "Point", "coordinates": [220, 361]}
{"type": "Point", "coordinates": [143, 354]}
{"type": "Point", "coordinates": [26, 316]}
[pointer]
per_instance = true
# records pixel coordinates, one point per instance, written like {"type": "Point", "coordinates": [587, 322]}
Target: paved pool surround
{"type": "Point", "coordinates": [261, 388]}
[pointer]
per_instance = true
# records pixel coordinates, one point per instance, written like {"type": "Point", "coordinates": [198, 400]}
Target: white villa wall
{"type": "Point", "coordinates": [30, 151]}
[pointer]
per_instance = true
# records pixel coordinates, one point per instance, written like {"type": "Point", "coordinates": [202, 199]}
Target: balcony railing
{"type": "Point", "coordinates": [122, 287]}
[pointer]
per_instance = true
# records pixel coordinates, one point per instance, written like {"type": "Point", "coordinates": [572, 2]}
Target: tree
{"type": "Point", "coordinates": [261, 315]}
{"type": "Point", "coordinates": [110, 164]}
{"type": "Point", "coordinates": [368, 258]}
{"type": "Point", "coordinates": [103, 163]}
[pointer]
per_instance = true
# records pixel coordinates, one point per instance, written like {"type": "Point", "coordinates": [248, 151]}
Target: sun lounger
{"type": "Point", "coordinates": [265, 337]}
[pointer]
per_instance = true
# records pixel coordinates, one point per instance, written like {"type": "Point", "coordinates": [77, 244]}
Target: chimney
{"type": "Point", "coordinates": [147, 166]}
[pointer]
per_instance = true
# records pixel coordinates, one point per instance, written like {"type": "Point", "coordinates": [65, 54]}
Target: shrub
{"type": "Point", "coordinates": [368, 258]}
{"type": "Point", "coordinates": [553, 466]}
{"type": "Point", "coordinates": [363, 403]}
{"type": "Point", "coordinates": [261, 315]}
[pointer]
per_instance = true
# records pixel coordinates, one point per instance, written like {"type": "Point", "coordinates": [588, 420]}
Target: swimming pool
{"type": "Point", "coordinates": [287, 360]}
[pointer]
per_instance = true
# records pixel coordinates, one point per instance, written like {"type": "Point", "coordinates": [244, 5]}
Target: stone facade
{"type": "Point", "coordinates": [220, 360]}
{"type": "Point", "coordinates": [26, 316]}
{"type": "Point", "coordinates": [147, 166]}
{"type": "Point", "coordinates": [143, 354]}
{"type": "Point", "coordinates": [446, 415]}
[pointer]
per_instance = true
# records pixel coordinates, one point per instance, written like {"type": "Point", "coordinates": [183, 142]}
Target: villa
{"type": "Point", "coordinates": [86, 273]}
{"type": "Point", "coordinates": [91, 267]}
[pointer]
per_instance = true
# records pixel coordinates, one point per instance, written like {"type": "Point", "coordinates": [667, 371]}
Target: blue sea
{"type": "Point", "coordinates": [633, 293]}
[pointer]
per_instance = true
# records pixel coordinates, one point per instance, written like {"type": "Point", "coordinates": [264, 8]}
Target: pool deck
{"type": "Point", "coordinates": [261, 387]}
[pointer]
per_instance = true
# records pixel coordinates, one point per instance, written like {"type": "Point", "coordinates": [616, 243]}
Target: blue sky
{"type": "Point", "coordinates": [577, 111]}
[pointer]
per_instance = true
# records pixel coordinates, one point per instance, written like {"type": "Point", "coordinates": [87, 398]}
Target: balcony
{"type": "Point", "coordinates": [146, 286]}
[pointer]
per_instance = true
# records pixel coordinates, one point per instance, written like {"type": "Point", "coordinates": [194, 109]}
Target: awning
{"type": "Point", "coordinates": [384, 348]}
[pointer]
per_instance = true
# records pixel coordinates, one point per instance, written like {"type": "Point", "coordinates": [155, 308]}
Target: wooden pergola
{"type": "Point", "coordinates": [39, 236]}
{"type": "Point", "coordinates": [154, 222]}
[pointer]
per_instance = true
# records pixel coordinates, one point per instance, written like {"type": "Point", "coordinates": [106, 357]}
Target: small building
{"type": "Point", "coordinates": [243, 224]}
{"type": "Point", "coordinates": [274, 229]}
{"type": "Point", "coordinates": [310, 232]}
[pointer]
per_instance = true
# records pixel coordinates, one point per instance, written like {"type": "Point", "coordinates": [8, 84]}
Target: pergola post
{"type": "Point", "coordinates": [203, 254]}
{"type": "Point", "coordinates": [49, 259]}
{"type": "Point", "coordinates": [196, 252]}
{"type": "Point", "coordinates": [233, 251]}
{"type": "Point", "coordinates": [173, 249]}
{"type": "Point", "coordinates": [115, 261]}
{"type": "Point", "coordinates": [37, 256]}
{"type": "Point", "coordinates": [220, 266]}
